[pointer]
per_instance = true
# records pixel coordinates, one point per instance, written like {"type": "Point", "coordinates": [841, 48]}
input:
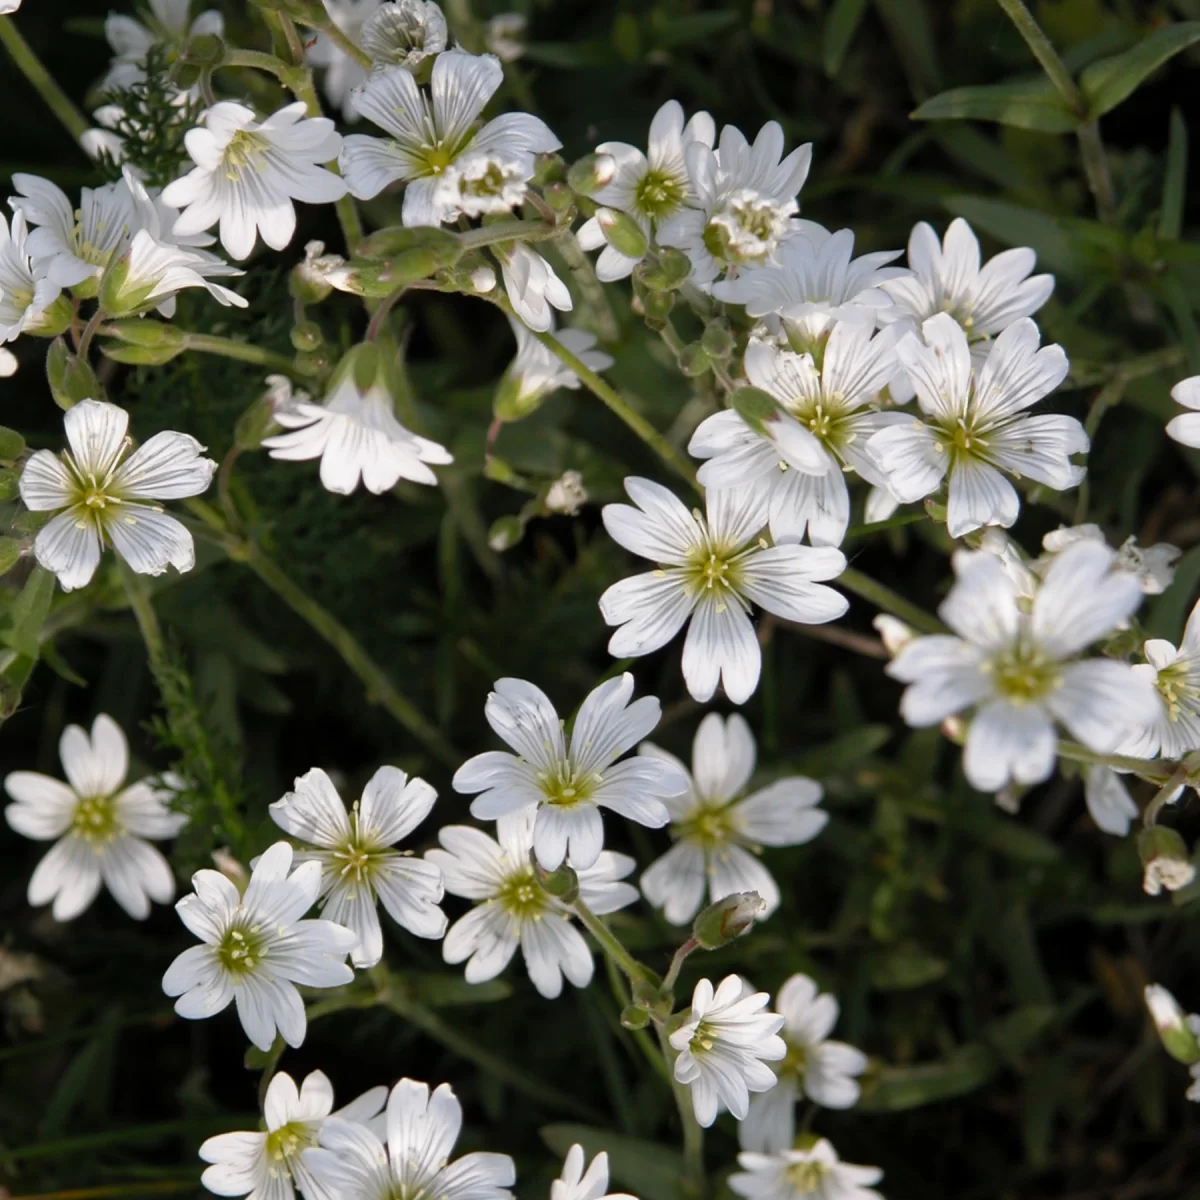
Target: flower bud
{"type": "Point", "coordinates": [622, 232]}
{"type": "Point", "coordinates": [562, 884]}
{"type": "Point", "coordinates": [567, 494]}
{"type": "Point", "coordinates": [1174, 1028]}
{"type": "Point", "coordinates": [375, 280]}
{"type": "Point", "coordinates": [505, 533]}
{"type": "Point", "coordinates": [309, 281]}
{"type": "Point", "coordinates": [756, 408]}
{"type": "Point", "coordinates": [144, 332]}
{"type": "Point", "coordinates": [560, 198]}
{"type": "Point", "coordinates": [592, 172]}
{"type": "Point", "coordinates": [694, 360]}
{"type": "Point", "coordinates": [231, 868]}
{"type": "Point", "coordinates": [727, 919]}
{"type": "Point", "coordinates": [393, 240]}
{"type": "Point", "coordinates": [634, 1016]}
{"type": "Point", "coordinates": [664, 270]}
{"type": "Point", "coordinates": [205, 50]}
{"type": "Point", "coordinates": [512, 401]}
{"type": "Point", "coordinates": [483, 280]}
{"type": "Point", "coordinates": [307, 335]}
{"type": "Point", "coordinates": [894, 634]}
{"type": "Point", "coordinates": [657, 308]}
{"type": "Point", "coordinates": [10, 483]}
{"type": "Point", "coordinates": [717, 340]}
{"type": "Point", "coordinates": [71, 379]}
{"type": "Point", "coordinates": [1164, 856]}
{"type": "Point", "coordinates": [51, 321]}
{"type": "Point", "coordinates": [312, 362]}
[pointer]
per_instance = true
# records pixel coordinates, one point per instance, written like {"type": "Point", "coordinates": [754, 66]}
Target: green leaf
{"type": "Point", "coordinates": [895, 1089]}
{"type": "Point", "coordinates": [440, 990]}
{"type": "Point", "coordinates": [12, 444]}
{"type": "Point", "coordinates": [655, 1171]}
{"type": "Point", "coordinates": [903, 968]}
{"type": "Point", "coordinates": [1025, 103]}
{"type": "Point", "coordinates": [693, 27]}
{"type": "Point", "coordinates": [1111, 80]}
{"type": "Point", "coordinates": [844, 20]}
{"type": "Point", "coordinates": [1021, 843]}
{"type": "Point", "coordinates": [913, 39]}
{"type": "Point", "coordinates": [1170, 216]}
{"type": "Point", "coordinates": [840, 755]}
{"type": "Point", "coordinates": [24, 618]}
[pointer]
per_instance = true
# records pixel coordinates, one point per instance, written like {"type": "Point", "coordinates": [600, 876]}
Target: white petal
{"type": "Point", "coordinates": [1008, 742]}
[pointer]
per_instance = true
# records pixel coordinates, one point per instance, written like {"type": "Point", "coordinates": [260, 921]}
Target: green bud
{"type": "Point", "coordinates": [622, 232]}
{"type": "Point", "coordinates": [1164, 856]}
{"type": "Point", "coordinates": [142, 356]}
{"type": "Point", "coordinates": [393, 240]}
{"type": "Point", "coordinates": [634, 1016]}
{"type": "Point", "coordinates": [10, 483]}
{"type": "Point", "coordinates": [146, 332]}
{"type": "Point", "coordinates": [717, 340]}
{"type": "Point", "coordinates": [205, 49]}
{"type": "Point", "coordinates": [185, 74]}
{"type": "Point", "coordinates": [694, 360]}
{"type": "Point", "coordinates": [375, 280]}
{"type": "Point", "coordinates": [562, 883]}
{"type": "Point", "coordinates": [10, 550]}
{"type": "Point", "coordinates": [1174, 1028]}
{"type": "Point", "coordinates": [559, 197]}
{"type": "Point", "coordinates": [727, 919]}
{"type": "Point", "coordinates": [12, 444]}
{"type": "Point", "coordinates": [657, 308]}
{"type": "Point", "coordinates": [71, 379]}
{"type": "Point", "coordinates": [52, 321]}
{"type": "Point", "coordinates": [505, 533]}
{"type": "Point", "coordinates": [311, 364]}
{"type": "Point", "coordinates": [756, 408]}
{"type": "Point", "coordinates": [512, 402]}
{"type": "Point", "coordinates": [307, 335]}
{"type": "Point", "coordinates": [664, 270]}
{"type": "Point", "coordinates": [591, 173]}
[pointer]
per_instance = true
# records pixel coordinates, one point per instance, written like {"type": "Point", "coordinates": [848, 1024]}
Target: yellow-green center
{"type": "Point", "coordinates": [241, 948]}
{"type": "Point", "coordinates": [702, 1040]}
{"type": "Point", "coordinates": [359, 856]}
{"type": "Point", "coordinates": [1173, 688]}
{"type": "Point", "coordinates": [1022, 675]}
{"type": "Point", "coordinates": [521, 896]}
{"type": "Point", "coordinates": [245, 150]}
{"type": "Point", "coordinates": [285, 1143]}
{"type": "Point", "coordinates": [806, 1176]}
{"type": "Point", "coordinates": [711, 827]}
{"type": "Point", "coordinates": [659, 194]}
{"type": "Point", "coordinates": [96, 819]}
{"type": "Point", "coordinates": [716, 572]}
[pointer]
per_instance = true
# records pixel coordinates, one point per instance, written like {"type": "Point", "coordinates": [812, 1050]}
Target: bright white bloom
{"type": "Point", "coordinates": [1153, 565]}
{"type": "Point", "coordinates": [255, 948]}
{"type": "Point", "coordinates": [153, 274]}
{"type": "Point", "coordinates": [713, 569]}
{"type": "Point", "coordinates": [814, 282]}
{"type": "Point", "coordinates": [168, 25]}
{"type": "Point", "coordinates": [355, 434]}
{"type": "Point", "coordinates": [650, 187]}
{"type": "Point", "coordinates": [537, 371]}
{"type": "Point", "coordinates": [101, 826]}
{"type": "Point", "coordinates": [428, 136]}
{"type": "Point", "coordinates": [404, 34]}
{"type": "Point", "coordinates": [25, 295]}
{"type": "Point", "coordinates": [1175, 675]}
{"type": "Point", "coordinates": [1019, 665]}
{"type": "Point", "coordinates": [946, 277]}
{"type": "Point", "coordinates": [248, 172]}
{"type": "Point", "coordinates": [8, 363]}
{"type": "Point", "coordinates": [719, 830]}
{"type": "Point", "coordinates": [268, 1164]}
{"type": "Point", "coordinates": [745, 198]}
{"type": "Point", "coordinates": [976, 426]}
{"type": "Point", "coordinates": [534, 290]}
{"type": "Point", "coordinates": [796, 465]}
{"type": "Point", "coordinates": [480, 182]}
{"type": "Point", "coordinates": [342, 73]}
{"type": "Point", "coordinates": [815, 1173]}
{"type": "Point", "coordinates": [576, 1184]}
{"type": "Point", "coordinates": [725, 1046]}
{"type": "Point", "coordinates": [1108, 800]}
{"type": "Point", "coordinates": [358, 864]}
{"type": "Point", "coordinates": [825, 1071]}
{"type": "Point", "coordinates": [504, 35]}
{"type": "Point", "coordinates": [567, 780]}
{"type": "Point", "coordinates": [512, 910]}
{"type": "Point", "coordinates": [1185, 428]}
{"type": "Point", "coordinates": [352, 1163]}
{"type": "Point", "coordinates": [100, 494]}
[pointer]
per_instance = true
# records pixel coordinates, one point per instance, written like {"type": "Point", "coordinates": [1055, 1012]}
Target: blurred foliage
{"type": "Point", "coordinates": [990, 964]}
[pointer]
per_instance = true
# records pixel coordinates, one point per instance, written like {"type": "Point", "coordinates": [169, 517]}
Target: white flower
{"type": "Point", "coordinates": [105, 138]}
{"type": "Point", "coordinates": [713, 569]}
{"type": "Point", "coordinates": [796, 465]}
{"type": "Point", "coordinates": [534, 290]}
{"type": "Point", "coordinates": [358, 864]}
{"type": "Point", "coordinates": [536, 371]}
{"type": "Point", "coordinates": [1153, 565]}
{"type": "Point", "coordinates": [101, 826]}
{"type": "Point", "coordinates": [152, 274]}
{"type": "Point", "coordinates": [725, 1046]}
{"type": "Point", "coordinates": [650, 187]}
{"type": "Point", "coordinates": [352, 1163]}
{"type": "Point", "coordinates": [355, 434]}
{"type": "Point", "coordinates": [946, 277]}
{"type": "Point", "coordinates": [8, 7]}
{"type": "Point", "coordinates": [256, 948]}
{"type": "Point", "coordinates": [1020, 666]}
{"type": "Point", "coordinates": [794, 1174]}
{"type": "Point", "coordinates": [99, 493]}
{"type": "Point", "coordinates": [1108, 800]}
{"type": "Point", "coordinates": [719, 831]}
{"type": "Point", "coordinates": [248, 172]}
{"type": "Point", "coordinates": [815, 281]}
{"type": "Point", "coordinates": [824, 1071]}
{"type": "Point", "coordinates": [404, 34]}
{"type": "Point", "coordinates": [567, 494]}
{"type": "Point", "coordinates": [428, 136]}
{"type": "Point", "coordinates": [512, 910]}
{"type": "Point", "coordinates": [342, 73]}
{"type": "Point", "coordinates": [1185, 428]}
{"type": "Point", "coordinates": [268, 1164]}
{"type": "Point", "coordinates": [25, 295]}
{"type": "Point", "coordinates": [745, 197]}
{"type": "Point", "coordinates": [504, 35]}
{"type": "Point", "coordinates": [576, 1184]}
{"type": "Point", "coordinates": [976, 426]}
{"type": "Point", "coordinates": [131, 41]}
{"type": "Point", "coordinates": [479, 182]}
{"type": "Point", "coordinates": [566, 781]}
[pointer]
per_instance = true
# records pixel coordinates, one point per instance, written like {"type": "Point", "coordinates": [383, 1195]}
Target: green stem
{"type": "Point", "coordinates": [887, 600]}
{"type": "Point", "coordinates": [611, 945]}
{"type": "Point", "coordinates": [207, 343]}
{"type": "Point", "coordinates": [1095, 168]}
{"type": "Point", "coordinates": [380, 689]}
{"type": "Point", "coordinates": [1108, 396]}
{"type": "Point", "coordinates": [693, 1134]}
{"type": "Point", "coordinates": [595, 299]}
{"type": "Point", "coordinates": [43, 82]}
{"type": "Point", "coordinates": [1044, 52]}
{"type": "Point", "coordinates": [257, 60]}
{"type": "Point", "coordinates": [677, 963]}
{"type": "Point", "coordinates": [89, 332]}
{"type": "Point", "coordinates": [506, 231]}
{"type": "Point", "coordinates": [1167, 792]}
{"type": "Point", "coordinates": [143, 610]}
{"type": "Point", "coordinates": [1141, 767]}
{"type": "Point", "coordinates": [273, 1057]}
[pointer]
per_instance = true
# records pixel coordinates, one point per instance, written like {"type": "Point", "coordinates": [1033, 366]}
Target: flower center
{"type": "Point", "coordinates": [1173, 688]}
{"type": "Point", "coordinates": [746, 228]}
{"type": "Point", "coordinates": [96, 819]}
{"type": "Point", "coordinates": [1021, 675]}
{"type": "Point", "coordinates": [241, 948]}
{"type": "Point", "coordinates": [286, 1143]}
{"type": "Point", "coordinates": [806, 1176]}
{"type": "Point", "coordinates": [359, 856]}
{"type": "Point", "coordinates": [710, 827]}
{"type": "Point", "coordinates": [565, 787]}
{"type": "Point", "coordinates": [245, 150]}
{"type": "Point", "coordinates": [715, 571]}
{"type": "Point", "coordinates": [794, 1062]}
{"type": "Point", "coordinates": [521, 896]}
{"type": "Point", "coordinates": [702, 1040]}
{"type": "Point", "coordinates": [659, 194]}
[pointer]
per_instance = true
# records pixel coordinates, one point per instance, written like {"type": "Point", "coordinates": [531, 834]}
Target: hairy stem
{"type": "Point", "coordinates": [41, 80]}
{"type": "Point", "coordinates": [506, 231]}
{"type": "Point", "coordinates": [887, 600]}
{"type": "Point", "coordinates": [207, 343]}
{"type": "Point", "coordinates": [143, 611]}
{"type": "Point", "coordinates": [677, 962]}
{"type": "Point", "coordinates": [611, 945]}
{"type": "Point", "coordinates": [598, 311]}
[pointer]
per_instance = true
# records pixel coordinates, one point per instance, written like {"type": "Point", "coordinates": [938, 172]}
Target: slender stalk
{"type": "Point", "coordinates": [1152, 772]}
{"type": "Point", "coordinates": [891, 602]}
{"type": "Point", "coordinates": [1047, 56]}
{"type": "Point", "coordinates": [611, 945]}
{"type": "Point", "coordinates": [42, 81]}
{"type": "Point", "coordinates": [345, 43]}
{"type": "Point", "coordinates": [1095, 167]}
{"type": "Point", "coordinates": [677, 962]}
{"type": "Point", "coordinates": [380, 689]}
{"type": "Point", "coordinates": [506, 231]}
{"type": "Point", "coordinates": [143, 610]}
{"type": "Point", "coordinates": [89, 332]}
{"type": "Point", "coordinates": [693, 1136]}
{"type": "Point", "coordinates": [273, 1057]}
{"type": "Point", "coordinates": [1165, 795]}
{"type": "Point", "coordinates": [258, 61]}
{"type": "Point", "coordinates": [207, 343]}
{"type": "Point", "coordinates": [595, 299]}
{"type": "Point", "coordinates": [380, 315]}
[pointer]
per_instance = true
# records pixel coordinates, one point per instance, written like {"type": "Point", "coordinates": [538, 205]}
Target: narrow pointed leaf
{"type": "Point", "coordinates": [1111, 80]}
{"type": "Point", "coordinates": [1025, 103]}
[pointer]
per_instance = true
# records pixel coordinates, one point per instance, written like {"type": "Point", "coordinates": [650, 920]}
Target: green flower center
{"type": "Point", "coordinates": [1022, 675]}
{"type": "Point", "coordinates": [659, 194]}
{"type": "Point", "coordinates": [702, 1040]}
{"type": "Point", "coordinates": [241, 948]}
{"type": "Point", "coordinates": [806, 1176]}
{"type": "Point", "coordinates": [246, 150]}
{"type": "Point", "coordinates": [717, 572]}
{"type": "Point", "coordinates": [711, 827]}
{"type": "Point", "coordinates": [96, 819]}
{"type": "Point", "coordinates": [521, 896]}
{"type": "Point", "coordinates": [566, 787]}
{"type": "Point", "coordinates": [286, 1142]}
{"type": "Point", "coordinates": [795, 1060]}
{"type": "Point", "coordinates": [358, 858]}
{"type": "Point", "coordinates": [1173, 688]}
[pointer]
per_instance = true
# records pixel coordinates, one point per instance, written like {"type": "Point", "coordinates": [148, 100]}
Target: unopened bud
{"type": "Point", "coordinates": [1175, 1029]}
{"type": "Point", "coordinates": [307, 335]}
{"type": "Point", "coordinates": [656, 306]}
{"type": "Point", "coordinates": [622, 232]}
{"type": "Point", "coordinates": [727, 919]}
{"type": "Point", "coordinates": [665, 270]}
{"type": "Point", "coordinates": [1164, 856]}
{"type": "Point", "coordinates": [71, 379]}
{"type": "Point", "coordinates": [559, 197]}
{"type": "Point", "coordinates": [139, 331]}
{"type": "Point", "coordinates": [567, 494]}
{"type": "Point", "coordinates": [513, 401]}
{"type": "Point", "coordinates": [10, 483]}
{"type": "Point", "coordinates": [394, 240]}
{"type": "Point", "coordinates": [483, 280]}
{"type": "Point", "coordinates": [717, 340]}
{"type": "Point", "coordinates": [894, 634]}
{"type": "Point", "coordinates": [756, 408]}
{"type": "Point", "coordinates": [562, 884]}
{"type": "Point", "coordinates": [311, 363]}
{"type": "Point", "coordinates": [505, 533]}
{"type": "Point", "coordinates": [634, 1016]}
{"type": "Point", "coordinates": [205, 49]}
{"type": "Point", "coordinates": [591, 173]}
{"type": "Point", "coordinates": [694, 360]}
